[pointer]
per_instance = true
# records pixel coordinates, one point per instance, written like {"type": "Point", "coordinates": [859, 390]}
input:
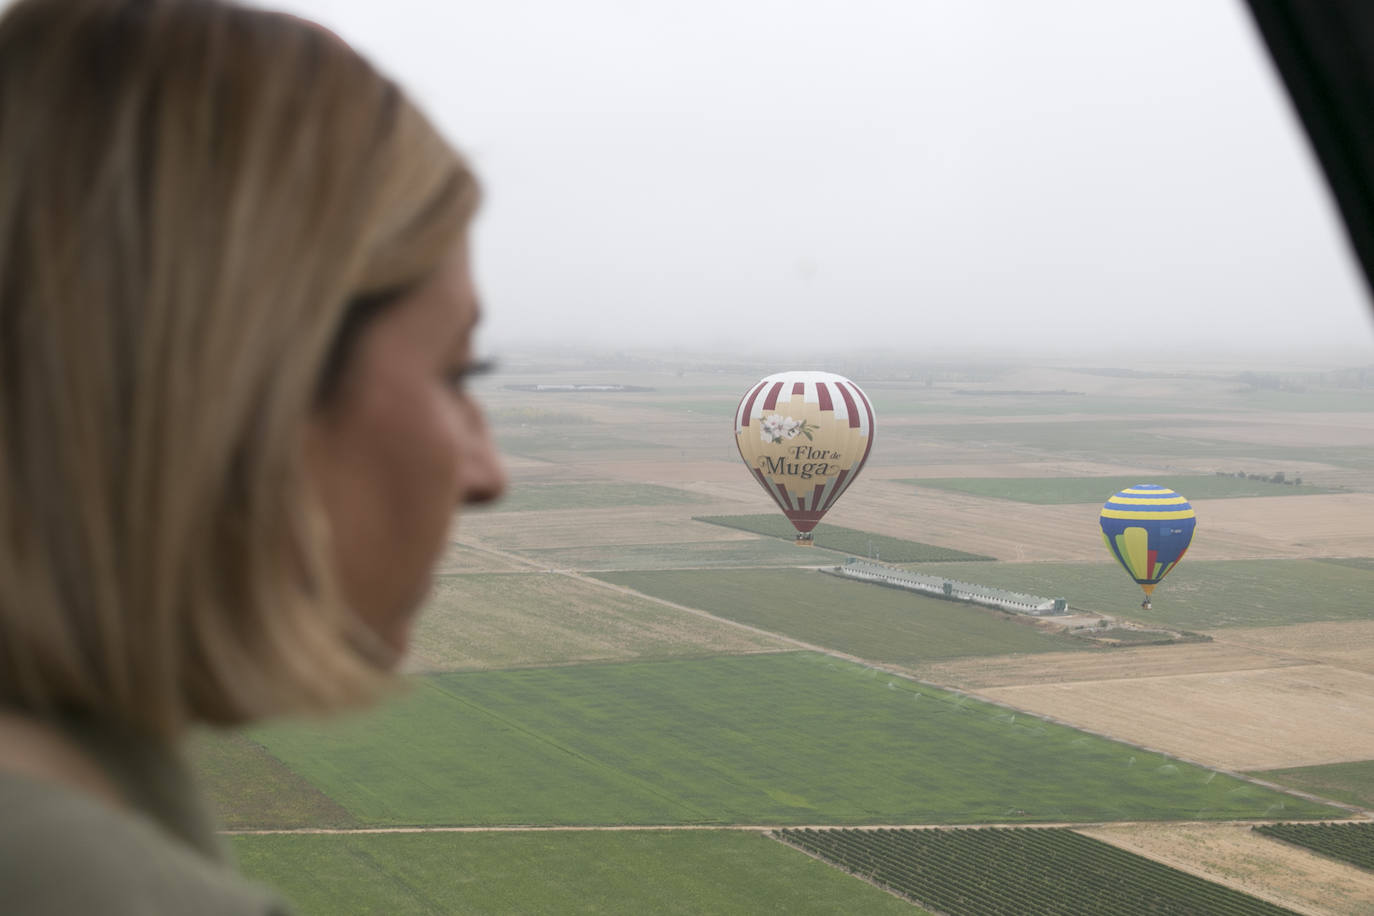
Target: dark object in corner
{"type": "Point", "coordinates": [1325, 53]}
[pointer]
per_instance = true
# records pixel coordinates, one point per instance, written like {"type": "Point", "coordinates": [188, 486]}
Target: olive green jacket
{"type": "Point", "coordinates": [65, 852]}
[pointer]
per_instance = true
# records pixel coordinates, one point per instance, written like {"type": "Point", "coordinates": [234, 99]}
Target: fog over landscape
{"type": "Point", "coordinates": [773, 177]}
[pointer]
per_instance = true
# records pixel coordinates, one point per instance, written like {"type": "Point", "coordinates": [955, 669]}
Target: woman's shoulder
{"type": "Point", "coordinates": [65, 852]}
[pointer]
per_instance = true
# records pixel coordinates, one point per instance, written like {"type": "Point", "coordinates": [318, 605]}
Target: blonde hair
{"type": "Point", "coordinates": [193, 193]}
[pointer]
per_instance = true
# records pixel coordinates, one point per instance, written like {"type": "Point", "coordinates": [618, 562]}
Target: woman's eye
{"type": "Point", "coordinates": [457, 377]}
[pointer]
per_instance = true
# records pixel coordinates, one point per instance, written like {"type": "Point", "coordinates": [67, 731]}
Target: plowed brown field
{"type": "Point", "coordinates": [1237, 856]}
{"type": "Point", "coordinates": [1237, 720]}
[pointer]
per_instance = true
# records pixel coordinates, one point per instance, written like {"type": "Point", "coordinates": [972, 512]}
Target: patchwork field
{"type": "Point", "coordinates": [1342, 644]}
{"type": "Point", "coordinates": [1034, 872]}
{"type": "Point", "coordinates": [1054, 490]}
{"type": "Point", "coordinates": [1236, 720]}
{"type": "Point", "coordinates": [796, 738]}
{"type": "Point", "coordinates": [591, 495]}
{"type": "Point", "coordinates": [1116, 664]}
{"type": "Point", "coordinates": [845, 541]}
{"type": "Point", "coordinates": [1238, 856]}
{"type": "Point", "coordinates": [249, 787]}
{"type": "Point", "coordinates": [1199, 595]}
{"type": "Point", "coordinates": [629, 526]}
{"type": "Point", "coordinates": [856, 618]}
{"type": "Point", "coordinates": [506, 620]}
{"type": "Point", "coordinates": [732, 551]}
{"type": "Point", "coordinates": [682, 872]}
{"type": "Point", "coordinates": [552, 698]}
{"type": "Point", "coordinates": [1352, 783]}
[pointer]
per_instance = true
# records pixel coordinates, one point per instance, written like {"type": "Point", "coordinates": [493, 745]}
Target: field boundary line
{"type": "Point", "coordinates": [756, 828]}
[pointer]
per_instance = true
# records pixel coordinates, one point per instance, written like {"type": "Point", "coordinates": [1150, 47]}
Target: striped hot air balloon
{"type": "Point", "coordinates": [804, 436]}
{"type": "Point", "coordinates": [1148, 529]}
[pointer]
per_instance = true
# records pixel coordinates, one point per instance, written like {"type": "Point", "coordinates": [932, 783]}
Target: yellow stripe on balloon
{"type": "Point", "coordinates": [1136, 516]}
{"type": "Point", "coordinates": [1133, 501]}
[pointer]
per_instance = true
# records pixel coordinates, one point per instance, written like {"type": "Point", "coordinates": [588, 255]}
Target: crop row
{"type": "Point", "coordinates": [1022, 871]}
{"type": "Point", "coordinates": [1353, 843]}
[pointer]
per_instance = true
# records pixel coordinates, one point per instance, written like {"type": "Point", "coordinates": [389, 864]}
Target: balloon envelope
{"type": "Point", "coordinates": [805, 436]}
{"type": "Point", "coordinates": [1148, 529]}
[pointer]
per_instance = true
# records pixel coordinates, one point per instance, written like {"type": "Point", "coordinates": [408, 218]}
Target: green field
{"type": "Point", "coordinates": [862, 619]}
{"type": "Point", "coordinates": [1366, 563]}
{"type": "Point", "coordinates": [1024, 872]}
{"type": "Point", "coordinates": [248, 787]}
{"type": "Point", "coordinates": [796, 738]}
{"type": "Point", "coordinates": [1352, 783]}
{"type": "Point", "coordinates": [629, 872]}
{"type": "Point", "coordinates": [590, 495]}
{"type": "Point", "coordinates": [847, 541]}
{"type": "Point", "coordinates": [1199, 595]}
{"type": "Point", "coordinates": [504, 620]}
{"type": "Point", "coordinates": [1048, 491]}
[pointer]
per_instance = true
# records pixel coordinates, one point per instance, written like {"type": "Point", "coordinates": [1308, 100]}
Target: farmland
{"type": "Point", "coordinates": [595, 658]}
{"type": "Point", "coordinates": [860, 619]}
{"type": "Point", "coordinates": [590, 495]}
{"type": "Point", "coordinates": [251, 788]}
{"type": "Point", "coordinates": [1055, 490]}
{"type": "Point", "coordinates": [1262, 718]}
{"type": "Point", "coordinates": [680, 872]}
{"type": "Point", "coordinates": [1249, 862]}
{"type": "Point", "coordinates": [844, 540]}
{"type": "Point", "coordinates": [507, 620]}
{"type": "Point", "coordinates": [794, 738]}
{"type": "Point", "coordinates": [1352, 783]}
{"type": "Point", "coordinates": [1023, 872]}
{"type": "Point", "coordinates": [1199, 595]}
{"type": "Point", "coordinates": [1353, 843]}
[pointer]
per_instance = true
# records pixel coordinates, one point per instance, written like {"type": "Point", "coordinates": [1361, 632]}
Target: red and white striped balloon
{"type": "Point", "coordinates": [805, 436]}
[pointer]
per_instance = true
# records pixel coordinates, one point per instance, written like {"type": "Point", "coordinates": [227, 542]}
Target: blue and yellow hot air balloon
{"type": "Point", "coordinates": [1148, 529]}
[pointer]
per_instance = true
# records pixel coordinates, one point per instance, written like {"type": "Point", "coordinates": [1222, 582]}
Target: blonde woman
{"type": "Point", "coordinates": [236, 317]}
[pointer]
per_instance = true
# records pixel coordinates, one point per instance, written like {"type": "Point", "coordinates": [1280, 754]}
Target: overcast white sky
{"type": "Point", "coordinates": [784, 175]}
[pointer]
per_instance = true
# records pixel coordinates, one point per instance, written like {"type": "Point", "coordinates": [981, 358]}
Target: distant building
{"type": "Point", "coordinates": [954, 590]}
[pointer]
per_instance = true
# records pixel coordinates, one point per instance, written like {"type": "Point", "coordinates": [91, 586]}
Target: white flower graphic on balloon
{"type": "Point", "coordinates": [776, 428]}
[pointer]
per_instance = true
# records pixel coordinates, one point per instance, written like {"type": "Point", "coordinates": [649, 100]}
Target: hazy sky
{"type": "Point", "coordinates": [785, 175]}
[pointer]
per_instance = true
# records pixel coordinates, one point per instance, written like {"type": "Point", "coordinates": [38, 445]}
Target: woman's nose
{"type": "Point", "coordinates": [482, 475]}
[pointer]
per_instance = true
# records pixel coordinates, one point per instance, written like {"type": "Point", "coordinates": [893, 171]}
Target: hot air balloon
{"type": "Point", "coordinates": [805, 436]}
{"type": "Point", "coordinates": [1148, 529]}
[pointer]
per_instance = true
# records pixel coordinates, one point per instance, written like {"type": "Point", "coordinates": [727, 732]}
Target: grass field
{"type": "Point", "coordinates": [590, 495]}
{"type": "Point", "coordinates": [1049, 491]}
{"type": "Point", "coordinates": [622, 872]}
{"type": "Point", "coordinates": [1366, 563]}
{"type": "Point", "coordinates": [847, 541]}
{"type": "Point", "coordinates": [795, 738]}
{"type": "Point", "coordinates": [503, 620]}
{"type": "Point", "coordinates": [858, 618]}
{"type": "Point", "coordinates": [248, 787]}
{"type": "Point", "coordinates": [1199, 595]}
{"type": "Point", "coordinates": [1352, 783]}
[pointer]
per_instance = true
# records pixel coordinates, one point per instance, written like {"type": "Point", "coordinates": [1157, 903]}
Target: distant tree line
{"type": "Point", "coordinates": [1276, 477]}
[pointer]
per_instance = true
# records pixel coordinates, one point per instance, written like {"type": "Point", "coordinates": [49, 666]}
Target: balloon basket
{"type": "Point", "coordinates": [804, 540]}
{"type": "Point", "coordinates": [1146, 605]}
